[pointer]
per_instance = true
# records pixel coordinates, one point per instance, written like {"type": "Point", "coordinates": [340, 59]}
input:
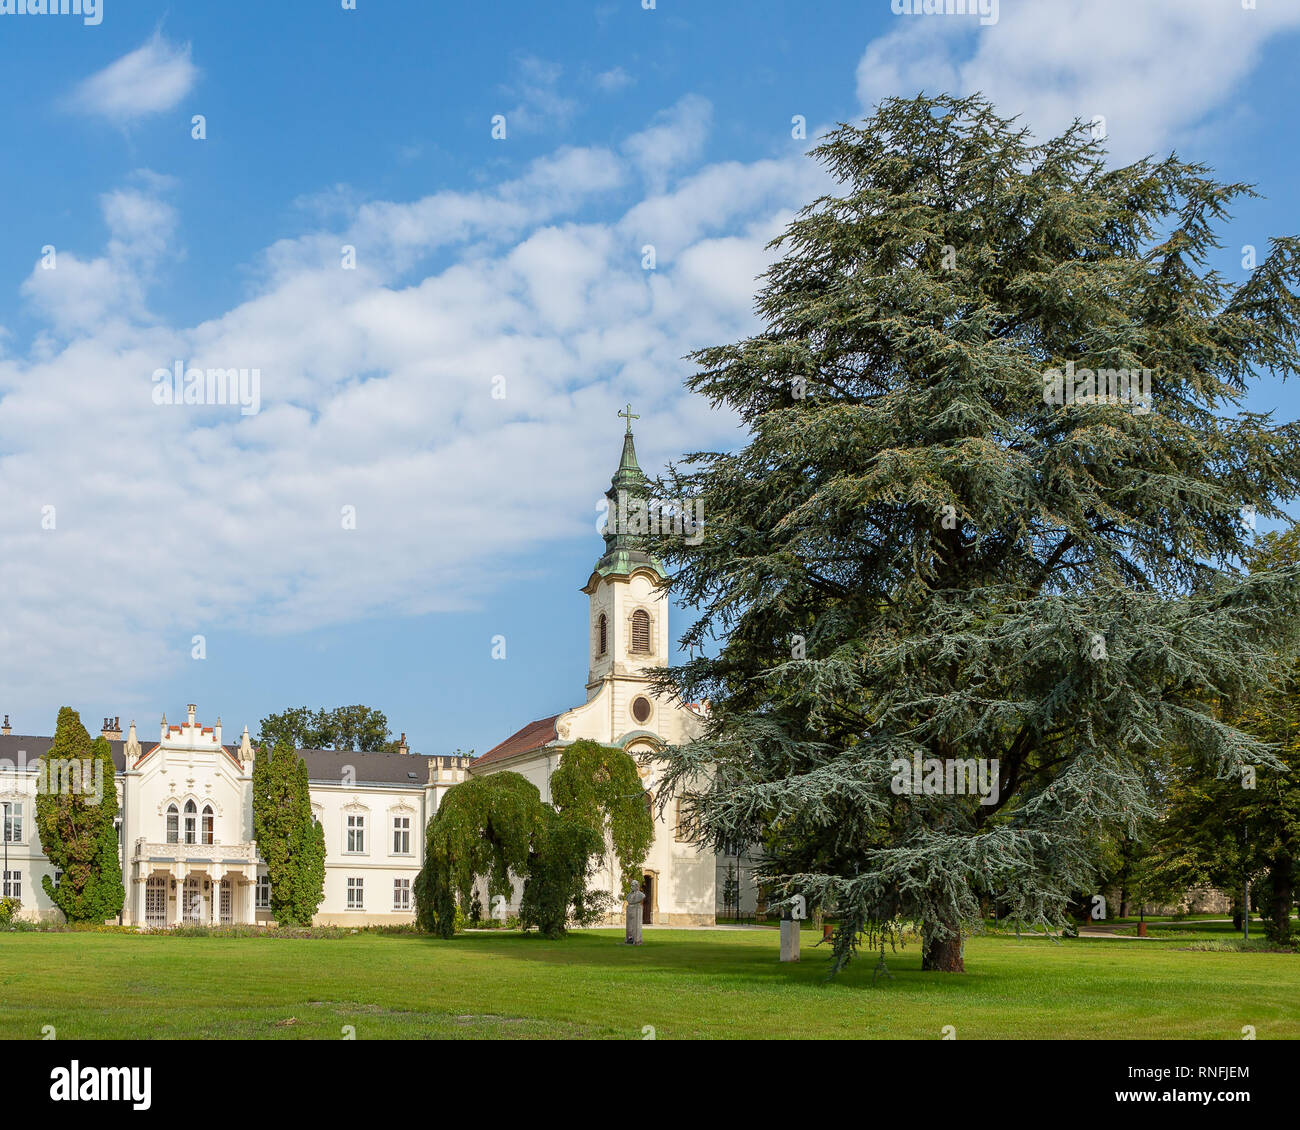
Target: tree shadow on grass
{"type": "Point", "coordinates": [687, 955]}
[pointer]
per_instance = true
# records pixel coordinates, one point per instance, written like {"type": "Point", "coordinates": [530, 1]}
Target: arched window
{"type": "Point", "coordinates": [207, 823]}
{"type": "Point", "coordinates": [173, 824]}
{"type": "Point", "coordinates": [604, 634]}
{"type": "Point", "coordinates": [641, 631]}
{"type": "Point", "coordinates": [191, 821]}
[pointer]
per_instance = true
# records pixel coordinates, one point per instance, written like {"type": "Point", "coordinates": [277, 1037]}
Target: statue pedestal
{"type": "Point", "coordinates": [632, 932]}
{"type": "Point", "coordinates": [789, 940]}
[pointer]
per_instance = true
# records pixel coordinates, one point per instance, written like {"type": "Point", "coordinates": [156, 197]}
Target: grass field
{"type": "Point", "coordinates": [684, 984]}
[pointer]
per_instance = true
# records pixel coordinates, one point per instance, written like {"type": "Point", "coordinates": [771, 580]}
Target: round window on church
{"type": "Point", "coordinates": [641, 708]}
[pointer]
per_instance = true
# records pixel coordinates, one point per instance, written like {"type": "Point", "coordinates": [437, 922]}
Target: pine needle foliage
{"type": "Point", "coordinates": [917, 553]}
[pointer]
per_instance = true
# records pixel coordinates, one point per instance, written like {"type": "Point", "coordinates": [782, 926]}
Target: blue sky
{"type": "Point", "coordinates": [475, 258]}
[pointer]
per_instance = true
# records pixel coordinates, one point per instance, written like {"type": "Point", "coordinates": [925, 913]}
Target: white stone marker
{"type": "Point", "coordinates": [789, 939]}
{"type": "Point", "coordinates": [634, 900]}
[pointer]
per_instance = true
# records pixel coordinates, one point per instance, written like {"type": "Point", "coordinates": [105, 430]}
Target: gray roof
{"type": "Point", "coordinates": [379, 768]}
{"type": "Point", "coordinates": [323, 765]}
{"type": "Point", "coordinates": [34, 746]}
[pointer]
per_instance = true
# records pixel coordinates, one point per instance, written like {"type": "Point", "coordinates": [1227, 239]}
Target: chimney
{"type": "Point", "coordinates": [164, 728]}
{"type": "Point", "coordinates": [216, 731]}
{"type": "Point", "coordinates": [402, 747]}
{"type": "Point", "coordinates": [112, 730]}
{"type": "Point", "coordinates": [191, 710]}
{"type": "Point", "coordinates": [5, 728]}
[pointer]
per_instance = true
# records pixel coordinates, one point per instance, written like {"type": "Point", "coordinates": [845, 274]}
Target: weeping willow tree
{"type": "Point", "coordinates": [989, 511]}
{"type": "Point", "coordinates": [497, 827]}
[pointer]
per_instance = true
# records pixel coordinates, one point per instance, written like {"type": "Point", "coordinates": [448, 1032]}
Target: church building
{"type": "Point", "coordinates": [185, 814]}
{"type": "Point", "coordinates": [627, 636]}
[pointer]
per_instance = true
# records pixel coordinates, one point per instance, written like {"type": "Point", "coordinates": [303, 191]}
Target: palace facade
{"type": "Point", "coordinates": [185, 822]}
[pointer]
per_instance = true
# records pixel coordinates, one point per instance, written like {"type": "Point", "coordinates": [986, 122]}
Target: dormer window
{"type": "Point", "coordinates": [603, 624]}
{"type": "Point", "coordinates": [641, 631]}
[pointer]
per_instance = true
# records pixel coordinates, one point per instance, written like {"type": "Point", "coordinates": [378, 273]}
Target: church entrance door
{"type": "Point", "coordinates": [647, 907]}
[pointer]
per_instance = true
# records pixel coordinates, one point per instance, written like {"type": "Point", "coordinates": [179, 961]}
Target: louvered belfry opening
{"type": "Point", "coordinates": [604, 634]}
{"type": "Point", "coordinates": [641, 631]}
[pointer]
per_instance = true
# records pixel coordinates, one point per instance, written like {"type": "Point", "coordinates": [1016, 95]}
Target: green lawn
{"type": "Point", "coordinates": [686, 984]}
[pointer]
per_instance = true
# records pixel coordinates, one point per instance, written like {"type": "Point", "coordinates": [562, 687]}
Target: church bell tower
{"type": "Point", "coordinates": [627, 611]}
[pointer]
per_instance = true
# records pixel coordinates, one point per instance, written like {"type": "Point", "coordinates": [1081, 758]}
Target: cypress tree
{"type": "Point", "coordinates": [76, 808]}
{"type": "Point", "coordinates": [289, 840]}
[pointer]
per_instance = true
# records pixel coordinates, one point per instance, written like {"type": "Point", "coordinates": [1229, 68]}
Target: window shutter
{"type": "Point", "coordinates": [641, 630]}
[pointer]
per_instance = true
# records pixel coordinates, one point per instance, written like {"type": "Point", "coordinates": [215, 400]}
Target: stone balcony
{"type": "Point", "coordinates": [195, 853]}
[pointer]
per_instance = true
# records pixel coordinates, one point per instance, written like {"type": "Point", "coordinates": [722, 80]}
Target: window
{"type": "Point", "coordinates": [263, 900]}
{"type": "Point", "coordinates": [13, 885]}
{"type": "Point", "coordinates": [641, 708]}
{"type": "Point", "coordinates": [356, 894]}
{"type": "Point", "coordinates": [603, 623]}
{"type": "Point", "coordinates": [13, 831]}
{"type": "Point", "coordinates": [356, 833]}
{"type": "Point", "coordinates": [401, 835]}
{"type": "Point", "coordinates": [401, 894]}
{"type": "Point", "coordinates": [641, 631]}
{"type": "Point", "coordinates": [173, 825]}
{"type": "Point", "coordinates": [191, 821]}
{"type": "Point", "coordinates": [207, 823]}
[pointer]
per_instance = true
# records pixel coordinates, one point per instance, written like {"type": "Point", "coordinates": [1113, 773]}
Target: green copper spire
{"type": "Point", "coordinates": [625, 550]}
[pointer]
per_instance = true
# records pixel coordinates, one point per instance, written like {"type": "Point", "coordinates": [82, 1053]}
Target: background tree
{"type": "Point", "coordinates": [1200, 841]}
{"type": "Point", "coordinates": [483, 828]}
{"type": "Point", "coordinates": [289, 840]}
{"type": "Point", "coordinates": [493, 827]}
{"type": "Point", "coordinates": [917, 554]}
{"type": "Point", "coordinates": [77, 828]}
{"type": "Point", "coordinates": [360, 728]}
{"type": "Point", "coordinates": [1225, 832]}
{"type": "Point", "coordinates": [600, 786]}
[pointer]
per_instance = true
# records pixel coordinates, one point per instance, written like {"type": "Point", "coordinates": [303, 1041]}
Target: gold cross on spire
{"type": "Point", "coordinates": [629, 417]}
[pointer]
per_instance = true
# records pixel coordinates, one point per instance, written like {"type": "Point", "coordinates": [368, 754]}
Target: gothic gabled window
{"type": "Point", "coordinates": [207, 823]}
{"type": "Point", "coordinates": [173, 825]}
{"type": "Point", "coordinates": [641, 631]}
{"type": "Point", "coordinates": [191, 821]}
{"type": "Point", "coordinates": [603, 624]}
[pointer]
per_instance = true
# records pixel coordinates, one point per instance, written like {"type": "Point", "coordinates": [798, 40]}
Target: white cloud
{"type": "Point", "coordinates": [613, 80]}
{"type": "Point", "coordinates": [676, 136]}
{"type": "Point", "coordinates": [376, 388]}
{"type": "Point", "coordinates": [1151, 69]}
{"type": "Point", "coordinates": [149, 80]}
{"type": "Point", "coordinates": [541, 106]}
{"type": "Point", "coordinates": [77, 295]}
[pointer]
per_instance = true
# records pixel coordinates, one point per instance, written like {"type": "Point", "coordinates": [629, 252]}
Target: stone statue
{"type": "Point", "coordinates": [635, 898]}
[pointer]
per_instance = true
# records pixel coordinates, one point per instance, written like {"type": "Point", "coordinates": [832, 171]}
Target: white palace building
{"type": "Point", "coordinates": [185, 797]}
